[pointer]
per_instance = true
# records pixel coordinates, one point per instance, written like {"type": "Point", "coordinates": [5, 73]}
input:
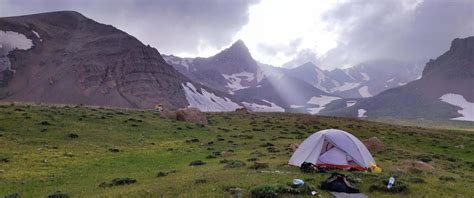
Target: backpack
{"type": "Point", "coordinates": [307, 167]}
{"type": "Point", "coordinates": [338, 183]}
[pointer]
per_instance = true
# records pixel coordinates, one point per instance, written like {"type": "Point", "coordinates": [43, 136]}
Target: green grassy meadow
{"type": "Point", "coordinates": [41, 154]}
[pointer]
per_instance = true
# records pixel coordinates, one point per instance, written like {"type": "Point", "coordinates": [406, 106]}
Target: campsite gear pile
{"type": "Point", "coordinates": [333, 148]}
{"type": "Point", "coordinates": [338, 183]}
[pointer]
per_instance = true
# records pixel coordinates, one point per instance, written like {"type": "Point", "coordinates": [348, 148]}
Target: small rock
{"type": "Point", "coordinates": [459, 146]}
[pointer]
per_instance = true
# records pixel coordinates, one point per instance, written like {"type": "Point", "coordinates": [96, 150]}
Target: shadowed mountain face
{"type": "Point", "coordinates": [445, 91]}
{"type": "Point", "coordinates": [75, 60]}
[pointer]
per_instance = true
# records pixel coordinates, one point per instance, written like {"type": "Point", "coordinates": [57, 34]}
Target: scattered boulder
{"type": "Point", "coordinates": [374, 144]}
{"type": "Point", "coordinates": [461, 146]}
{"type": "Point", "coordinates": [193, 115]}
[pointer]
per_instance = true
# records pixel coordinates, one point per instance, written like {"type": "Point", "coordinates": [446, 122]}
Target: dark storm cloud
{"type": "Point", "coordinates": [375, 29]}
{"type": "Point", "coordinates": [172, 26]}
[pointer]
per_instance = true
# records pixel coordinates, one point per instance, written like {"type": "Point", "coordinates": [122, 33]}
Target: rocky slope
{"type": "Point", "coordinates": [445, 91]}
{"type": "Point", "coordinates": [72, 59]}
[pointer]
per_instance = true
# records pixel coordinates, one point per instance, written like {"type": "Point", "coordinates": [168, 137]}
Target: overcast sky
{"type": "Point", "coordinates": [330, 33]}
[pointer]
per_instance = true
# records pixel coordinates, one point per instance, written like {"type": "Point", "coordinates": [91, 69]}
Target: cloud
{"type": "Point", "coordinates": [172, 26]}
{"type": "Point", "coordinates": [344, 33]}
{"type": "Point", "coordinates": [329, 33]}
{"type": "Point", "coordinates": [393, 29]}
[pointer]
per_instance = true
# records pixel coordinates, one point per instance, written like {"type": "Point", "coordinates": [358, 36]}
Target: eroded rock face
{"type": "Point", "coordinates": [76, 60]}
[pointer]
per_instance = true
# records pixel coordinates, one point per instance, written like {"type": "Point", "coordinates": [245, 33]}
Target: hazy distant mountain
{"type": "Point", "coordinates": [363, 80]}
{"type": "Point", "coordinates": [64, 57]}
{"type": "Point", "coordinates": [445, 91]}
{"type": "Point", "coordinates": [260, 87]}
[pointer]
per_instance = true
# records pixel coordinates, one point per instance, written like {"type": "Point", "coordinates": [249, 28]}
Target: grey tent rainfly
{"type": "Point", "coordinates": [334, 148]}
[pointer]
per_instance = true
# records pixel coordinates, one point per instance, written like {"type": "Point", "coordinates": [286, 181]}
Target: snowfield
{"type": "Point", "coordinates": [467, 108]}
{"type": "Point", "coordinates": [207, 101]}
{"type": "Point", "coordinates": [13, 40]}
{"type": "Point", "coordinates": [263, 108]}
{"type": "Point", "coordinates": [361, 113]}
{"type": "Point", "coordinates": [235, 80]}
{"type": "Point", "coordinates": [364, 92]}
{"type": "Point", "coordinates": [321, 101]}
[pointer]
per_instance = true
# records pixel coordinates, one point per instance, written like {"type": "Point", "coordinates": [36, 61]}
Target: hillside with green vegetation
{"type": "Point", "coordinates": [82, 151]}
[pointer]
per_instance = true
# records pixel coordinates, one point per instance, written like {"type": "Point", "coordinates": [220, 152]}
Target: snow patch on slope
{"type": "Point", "coordinates": [361, 113]}
{"type": "Point", "coordinates": [346, 86]}
{"type": "Point", "coordinates": [467, 108]}
{"type": "Point", "coordinates": [37, 35]}
{"type": "Point", "coordinates": [365, 76]}
{"type": "Point", "coordinates": [13, 40]}
{"type": "Point", "coordinates": [321, 101]}
{"type": "Point", "coordinates": [350, 103]}
{"type": "Point", "coordinates": [263, 108]}
{"type": "Point", "coordinates": [364, 92]}
{"type": "Point", "coordinates": [235, 80]}
{"type": "Point", "coordinates": [207, 101]}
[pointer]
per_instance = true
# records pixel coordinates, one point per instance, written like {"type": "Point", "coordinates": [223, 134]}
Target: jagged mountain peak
{"type": "Point", "coordinates": [460, 49]}
{"type": "Point", "coordinates": [238, 49]}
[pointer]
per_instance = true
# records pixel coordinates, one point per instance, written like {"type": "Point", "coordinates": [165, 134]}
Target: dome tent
{"type": "Point", "coordinates": [333, 148]}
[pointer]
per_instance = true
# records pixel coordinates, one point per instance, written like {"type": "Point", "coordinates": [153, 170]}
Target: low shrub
{"type": "Point", "coordinates": [197, 163]}
{"type": "Point", "coordinates": [398, 187]}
